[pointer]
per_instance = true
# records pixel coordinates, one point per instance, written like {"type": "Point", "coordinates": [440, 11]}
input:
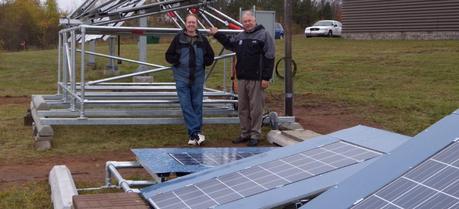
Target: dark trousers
{"type": "Point", "coordinates": [251, 99]}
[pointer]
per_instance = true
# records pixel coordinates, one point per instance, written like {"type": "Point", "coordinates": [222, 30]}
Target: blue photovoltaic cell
{"type": "Point", "coordinates": [432, 184]}
{"type": "Point", "coordinates": [263, 177]}
{"type": "Point", "coordinates": [209, 159]}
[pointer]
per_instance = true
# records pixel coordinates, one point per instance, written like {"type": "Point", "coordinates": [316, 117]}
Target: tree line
{"type": "Point", "coordinates": [28, 23]}
{"type": "Point", "coordinates": [305, 12]}
{"type": "Point", "coordinates": [32, 24]}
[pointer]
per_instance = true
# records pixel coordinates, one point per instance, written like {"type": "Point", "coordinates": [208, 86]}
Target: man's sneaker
{"type": "Point", "coordinates": [193, 140]}
{"type": "Point", "coordinates": [252, 143]}
{"type": "Point", "coordinates": [200, 139]}
{"type": "Point", "coordinates": [240, 140]}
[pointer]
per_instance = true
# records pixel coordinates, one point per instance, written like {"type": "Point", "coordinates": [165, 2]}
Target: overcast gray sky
{"type": "Point", "coordinates": [68, 5]}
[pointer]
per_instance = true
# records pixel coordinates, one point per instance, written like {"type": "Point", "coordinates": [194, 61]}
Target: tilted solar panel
{"type": "Point", "coordinates": [190, 160]}
{"type": "Point", "coordinates": [432, 184]}
{"type": "Point", "coordinates": [421, 173]}
{"type": "Point", "coordinates": [262, 177]}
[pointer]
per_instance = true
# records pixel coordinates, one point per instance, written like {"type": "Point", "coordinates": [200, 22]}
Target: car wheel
{"type": "Point", "coordinates": [330, 33]}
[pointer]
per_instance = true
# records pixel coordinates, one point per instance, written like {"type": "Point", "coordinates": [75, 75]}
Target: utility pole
{"type": "Point", "coordinates": [288, 84]}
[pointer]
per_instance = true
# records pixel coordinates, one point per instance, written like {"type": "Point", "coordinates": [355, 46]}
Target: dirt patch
{"type": "Point", "coordinates": [312, 112]}
{"type": "Point", "coordinates": [5, 100]}
{"type": "Point", "coordinates": [84, 168]}
{"type": "Point", "coordinates": [319, 115]}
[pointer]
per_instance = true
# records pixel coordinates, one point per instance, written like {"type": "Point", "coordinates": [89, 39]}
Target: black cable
{"type": "Point", "coordinates": [277, 68]}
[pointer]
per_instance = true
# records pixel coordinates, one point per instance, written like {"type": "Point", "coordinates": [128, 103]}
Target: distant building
{"type": "Point", "coordinates": [401, 19]}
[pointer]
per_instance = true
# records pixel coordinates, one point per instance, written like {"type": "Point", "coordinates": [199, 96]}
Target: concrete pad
{"type": "Point", "coordinates": [62, 187]}
{"type": "Point", "coordinates": [39, 103]}
{"type": "Point", "coordinates": [276, 137]}
{"type": "Point", "coordinates": [291, 126]}
{"type": "Point", "coordinates": [300, 135]}
{"type": "Point", "coordinates": [291, 137]}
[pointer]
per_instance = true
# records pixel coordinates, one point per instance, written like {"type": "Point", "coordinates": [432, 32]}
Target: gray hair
{"type": "Point", "coordinates": [248, 13]}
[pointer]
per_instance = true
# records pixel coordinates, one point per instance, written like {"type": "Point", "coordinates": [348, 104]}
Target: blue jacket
{"type": "Point", "coordinates": [189, 56]}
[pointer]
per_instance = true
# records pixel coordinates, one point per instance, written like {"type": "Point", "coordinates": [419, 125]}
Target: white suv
{"type": "Point", "coordinates": [324, 28]}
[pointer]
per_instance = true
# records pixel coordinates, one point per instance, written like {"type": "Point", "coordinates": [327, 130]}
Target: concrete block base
{"type": "Point", "coordinates": [286, 138]}
{"type": "Point", "coordinates": [300, 135]}
{"type": "Point", "coordinates": [39, 103]}
{"type": "Point", "coordinates": [42, 144]}
{"type": "Point", "coordinates": [28, 119]}
{"type": "Point", "coordinates": [291, 126]}
{"type": "Point", "coordinates": [62, 187]}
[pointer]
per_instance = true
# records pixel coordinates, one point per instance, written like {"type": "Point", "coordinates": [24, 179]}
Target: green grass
{"type": "Point", "coordinates": [33, 195]}
{"type": "Point", "coordinates": [16, 141]}
{"type": "Point", "coordinates": [403, 86]}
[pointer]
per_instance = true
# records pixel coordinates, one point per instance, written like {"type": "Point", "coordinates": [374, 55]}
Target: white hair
{"type": "Point", "coordinates": [248, 13]}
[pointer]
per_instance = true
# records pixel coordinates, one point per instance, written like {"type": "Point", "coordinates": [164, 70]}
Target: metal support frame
{"type": "Point", "coordinates": [111, 171]}
{"type": "Point", "coordinates": [106, 101]}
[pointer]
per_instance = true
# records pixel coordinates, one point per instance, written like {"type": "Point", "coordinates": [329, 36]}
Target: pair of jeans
{"type": "Point", "coordinates": [190, 98]}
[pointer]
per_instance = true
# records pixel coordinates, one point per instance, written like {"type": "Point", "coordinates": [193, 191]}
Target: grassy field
{"type": "Point", "coordinates": [403, 86]}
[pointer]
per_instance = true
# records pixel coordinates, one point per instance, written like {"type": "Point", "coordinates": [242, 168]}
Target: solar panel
{"type": "Point", "coordinates": [432, 184]}
{"type": "Point", "coordinates": [263, 177]}
{"type": "Point", "coordinates": [190, 160]}
{"type": "Point", "coordinates": [209, 159]}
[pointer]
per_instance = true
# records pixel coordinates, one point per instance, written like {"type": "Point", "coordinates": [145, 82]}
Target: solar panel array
{"type": "Point", "coordinates": [263, 177]}
{"type": "Point", "coordinates": [432, 184]}
{"type": "Point", "coordinates": [209, 159]}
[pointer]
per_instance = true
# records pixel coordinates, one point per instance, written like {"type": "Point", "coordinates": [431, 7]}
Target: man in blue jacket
{"type": "Point", "coordinates": [189, 53]}
{"type": "Point", "coordinates": [255, 50]}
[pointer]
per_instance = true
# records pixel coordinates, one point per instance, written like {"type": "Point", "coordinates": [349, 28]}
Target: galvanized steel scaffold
{"type": "Point", "coordinates": [108, 101]}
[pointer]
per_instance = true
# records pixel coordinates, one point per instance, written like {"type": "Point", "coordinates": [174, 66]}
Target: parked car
{"type": "Point", "coordinates": [324, 28]}
{"type": "Point", "coordinates": [278, 31]}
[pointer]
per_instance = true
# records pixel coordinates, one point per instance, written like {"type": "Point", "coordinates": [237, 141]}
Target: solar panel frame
{"type": "Point", "coordinates": [389, 167]}
{"type": "Point", "coordinates": [267, 175]}
{"type": "Point", "coordinates": [426, 181]}
{"type": "Point", "coordinates": [299, 190]}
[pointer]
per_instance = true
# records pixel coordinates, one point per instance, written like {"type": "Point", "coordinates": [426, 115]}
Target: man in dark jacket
{"type": "Point", "coordinates": [254, 68]}
{"type": "Point", "coordinates": [189, 53]}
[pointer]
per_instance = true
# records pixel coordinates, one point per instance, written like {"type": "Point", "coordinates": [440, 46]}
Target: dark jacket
{"type": "Point", "coordinates": [255, 52]}
{"type": "Point", "coordinates": [189, 56]}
